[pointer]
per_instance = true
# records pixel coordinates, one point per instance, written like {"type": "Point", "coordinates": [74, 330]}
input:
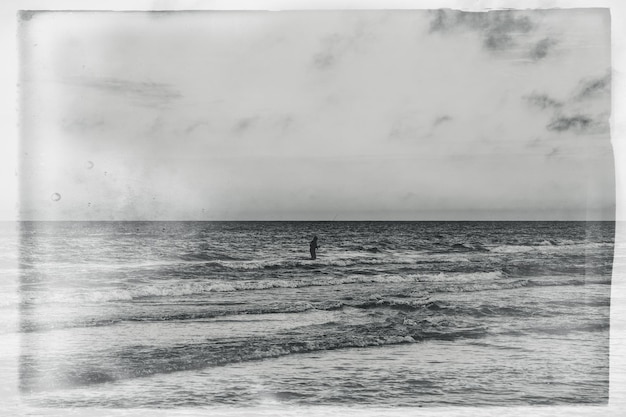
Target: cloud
{"type": "Point", "coordinates": [148, 94]}
{"type": "Point", "coordinates": [575, 114]}
{"type": "Point", "coordinates": [594, 87]}
{"type": "Point", "coordinates": [441, 119]}
{"type": "Point", "coordinates": [244, 124]}
{"type": "Point", "coordinates": [578, 123]}
{"type": "Point", "coordinates": [264, 126]}
{"type": "Point", "coordinates": [335, 46]}
{"type": "Point", "coordinates": [324, 60]}
{"type": "Point", "coordinates": [411, 127]}
{"type": "Point", "coordinates": [542, 101]}
{"type": "Point", "coordinates": [332, 47]}
{"type": "Point", "coordinates": [497, 28]}
{"type": "Point", "coordinates": [195, 126]}
{"type": "Point", "coordinates": [553, 153]}
{"type": "Point", "coordinates": [541, 49]}
{"type": "Point", "coordinates": [500, 30]}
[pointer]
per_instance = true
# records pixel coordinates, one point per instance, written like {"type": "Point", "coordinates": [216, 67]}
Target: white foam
{"type": "Point", "coordinates": [459, 276]}
{"type": "Point", "coordinates": [549, 247]}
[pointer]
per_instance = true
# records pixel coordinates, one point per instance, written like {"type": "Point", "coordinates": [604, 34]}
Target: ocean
{"type": "Point", "coordinates": [236, 314]}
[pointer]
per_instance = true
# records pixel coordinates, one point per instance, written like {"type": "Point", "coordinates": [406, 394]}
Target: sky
{"type": "Point", "coordinates": [316, 115]}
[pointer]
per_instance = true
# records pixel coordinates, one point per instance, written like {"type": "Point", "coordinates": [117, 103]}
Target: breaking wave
{"type": "Point", "coordinates": [141, 361]}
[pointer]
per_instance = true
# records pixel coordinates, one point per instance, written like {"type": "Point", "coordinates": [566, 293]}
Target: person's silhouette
{"type": "Point", "coordinates": [313, 246]}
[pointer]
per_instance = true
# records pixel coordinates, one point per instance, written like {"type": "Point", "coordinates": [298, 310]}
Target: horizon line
{"type": "Point", "coordinates": [304, 221]}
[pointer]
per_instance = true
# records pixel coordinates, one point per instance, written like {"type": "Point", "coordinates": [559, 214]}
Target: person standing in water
{"type": "Point", "coordinates": [313, 246]}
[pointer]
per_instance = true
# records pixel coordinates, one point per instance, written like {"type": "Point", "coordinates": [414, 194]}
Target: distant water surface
{"type": "Point", "coordinates": [200, 314]}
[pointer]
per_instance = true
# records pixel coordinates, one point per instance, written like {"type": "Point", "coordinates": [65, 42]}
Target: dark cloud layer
{"type": "Point", "coordinates": [498, 28]}
{"type": "Point", "coordinates": [579, 123]}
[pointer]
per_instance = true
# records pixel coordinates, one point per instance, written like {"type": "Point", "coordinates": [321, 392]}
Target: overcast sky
{"type": "Point", "coordinates": [403, 115]}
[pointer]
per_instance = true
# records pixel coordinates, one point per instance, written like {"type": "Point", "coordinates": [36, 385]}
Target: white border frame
{"type": "Point", "coordinates": [9, 347]}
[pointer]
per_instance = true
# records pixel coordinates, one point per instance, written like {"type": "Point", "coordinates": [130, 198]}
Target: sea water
{"type": "Point", "coordinates": [205, 314]}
